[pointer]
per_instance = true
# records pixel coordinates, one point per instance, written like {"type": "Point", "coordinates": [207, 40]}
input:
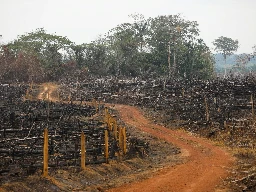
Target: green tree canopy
{"type": "Point", "coordinates": [164, 45]}
{"type": "Point", "coordinates": [175, 40]}
{"type": "Point", "coordinates": [226, 46]}
{"type": "Point", "coordinates": [161, 44]}
{"type": "Point", "coordinates": [48, 48]}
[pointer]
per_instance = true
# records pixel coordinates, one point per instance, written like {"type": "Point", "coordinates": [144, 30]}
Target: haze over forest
{"type": "Point", "coordinates": [162, 41]}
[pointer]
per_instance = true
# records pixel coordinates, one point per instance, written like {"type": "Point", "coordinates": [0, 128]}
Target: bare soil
{"type": "Point", "coordinates": [206, 166]}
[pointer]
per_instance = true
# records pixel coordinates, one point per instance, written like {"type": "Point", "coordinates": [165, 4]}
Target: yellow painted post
{"type": "Point", "coordinates": [111, 123]}
{"type": "Point", "coordinates": [109, 120]}
{"type": "Point", "coordinates": [45, 169]}
{"type": "Point", "coordinates": [124, 140]}
{"type": "Point", "coordinates": [120, 139]}
{"type": "Point", "coordinates": [110, 126]}
{"type": "Point", "coordinates": [106, 145]}
{"type": "Point", "coordinates": [82, 150]}
{"type": "Point", "coordinates": [183, 92]}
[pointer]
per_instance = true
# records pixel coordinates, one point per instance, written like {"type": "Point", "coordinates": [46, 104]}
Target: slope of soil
{"type": "Point", "coordinates": [206, 164]}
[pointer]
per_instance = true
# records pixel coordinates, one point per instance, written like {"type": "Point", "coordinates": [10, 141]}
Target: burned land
{"type": "Point", "coordinates": [220, 110]}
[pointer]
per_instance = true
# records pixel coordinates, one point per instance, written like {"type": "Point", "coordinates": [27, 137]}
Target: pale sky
{"type": "Point", "coordinates": [83, 21]}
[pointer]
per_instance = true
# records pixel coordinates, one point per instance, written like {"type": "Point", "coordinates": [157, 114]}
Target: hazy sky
{"type": "Point", "coordinates": [84, 20]}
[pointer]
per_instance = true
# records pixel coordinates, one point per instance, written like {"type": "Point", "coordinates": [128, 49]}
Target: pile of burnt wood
{"type": "Point", "coordinates": [218, 106]}
{"type": "Point", "coordinates": [22, 124]}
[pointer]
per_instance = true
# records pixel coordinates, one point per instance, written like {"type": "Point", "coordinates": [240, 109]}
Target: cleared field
{"type": "Point", "coordinates": [222, 111]}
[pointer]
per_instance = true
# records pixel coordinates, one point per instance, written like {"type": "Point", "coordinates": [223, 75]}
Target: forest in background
{"type": "Point", "coordinates": [166, 45]}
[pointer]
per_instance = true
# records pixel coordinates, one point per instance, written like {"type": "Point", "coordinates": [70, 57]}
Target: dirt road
{"type": "Point", "coordinates": [204, 169]}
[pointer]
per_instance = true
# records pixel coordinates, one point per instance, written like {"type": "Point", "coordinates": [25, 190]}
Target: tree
{"type": "Point", "coordinates": [171, 41]}
{"type": "Point", "coordinates": [123, 44]}
{"type": "Point", "coordinates": [195, 60]}
{"type": "Point", "coordinates": [226, 46]}
{"type": "Point", "coordinates": [21, 68]}
{"type": "Point", "coordinates": [49, 49]}
{"type": "Point", "coordinates": [140, 26]}
{"type": "Point", "coordinates": [79, 54]}
{"type": "Point", "coordinates": [96, 57]}
{"type": "Point", "coordinates": [164, 45]}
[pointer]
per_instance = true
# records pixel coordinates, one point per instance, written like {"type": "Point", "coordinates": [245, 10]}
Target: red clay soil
{"type": "Point", "coordinates": [204, 169]}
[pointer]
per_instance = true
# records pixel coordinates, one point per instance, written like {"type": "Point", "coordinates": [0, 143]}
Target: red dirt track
{"type": "Point", "coordinates": [205, 166]}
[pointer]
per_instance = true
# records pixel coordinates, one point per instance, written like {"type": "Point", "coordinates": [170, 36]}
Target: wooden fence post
{"type": "Point", "coordinates": [45, 169]}
{"type": "Point", "coordinates": [120, 138]}
{"type": "Point", "coordinates": [124, 140]}
{"type": "Point", "coordinates": [115, 130]}
{"type": "Point", "coordinates": [106, 145]}
{"type": "Point", "coordinates": [109, 121]}
{"type": "Point", "coordinates": [82, 150]}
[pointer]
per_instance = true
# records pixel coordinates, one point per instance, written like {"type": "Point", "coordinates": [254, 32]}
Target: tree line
{"type": "Point", "coordinates": [166, 45]}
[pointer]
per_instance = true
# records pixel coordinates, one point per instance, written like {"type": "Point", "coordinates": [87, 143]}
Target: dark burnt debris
{"type": "Point", "coordinates": [227, 100]}
{"type": "Point", "coordinates": [210, 108]}
{"type": "Point", "coordinates": [214, 107]}
{"type": "Point", "coordinates": [22, 124]}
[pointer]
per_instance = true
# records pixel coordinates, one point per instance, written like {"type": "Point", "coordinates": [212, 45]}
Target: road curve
{"type": "Point", "coordinates": [204, 169]}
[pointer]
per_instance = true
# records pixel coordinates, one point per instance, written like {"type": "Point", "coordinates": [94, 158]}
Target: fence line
{"type": "Point", "coordinates": [113, 129]}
